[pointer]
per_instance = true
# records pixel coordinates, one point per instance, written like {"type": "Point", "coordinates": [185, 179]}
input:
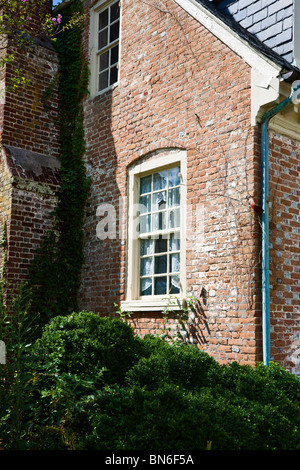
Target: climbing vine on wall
{"type": "Point", "coordinates": [57, 266]}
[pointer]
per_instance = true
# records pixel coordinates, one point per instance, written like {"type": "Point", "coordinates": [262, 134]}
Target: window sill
{"type": "Point", "coordinates": [105, 90]}
{"type": "Point", "coordinates": [152, 305]}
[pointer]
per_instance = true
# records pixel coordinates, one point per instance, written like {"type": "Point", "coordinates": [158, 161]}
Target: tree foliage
{"type": "Point", "coordinates": [21, 22]}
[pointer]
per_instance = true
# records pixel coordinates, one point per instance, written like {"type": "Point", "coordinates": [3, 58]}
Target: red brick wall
{"type": "Point", "coordinates": [29, 222]}
{"type": "Point", "coordinates": [27, 124]}
{"type": "Point", "coordinates": [28, 187]}
{"type": "Point", "coordinates": [182, 88]}
{"type": "Point", "coordinates": [285, 251]}
{"type": "Point", "coordinates": [179, 88]}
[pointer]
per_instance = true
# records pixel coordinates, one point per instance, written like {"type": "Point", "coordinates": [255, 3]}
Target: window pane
{"type": "Point", "coordinates": [174, 218]}
{"type": "Point", "coordinates": [145, 223]}
{"type": "Point", "coordinates": [174, 263]}
{"type": "Point", "coordinates": [146, 266]}
{"type": "Point", "coordinates": [113, 75]}
{"type": "Point", "coordinates": [160, 285]}
{"type": "Point", "coordinates": [103, 63]}
{"type": "Point", "coordinates": [103, 80]}
{"type": "Point", "coordinates": [174, 242]}
{"type": "Point", "coordinates": [146, 286]}
{"type": "Point", "coordinates": [103, 19]}
{"type": "Point", "coordinates": [174, 178]}
{"type": "Point", "coordinates": [145, 204]}
{"type": "Point", "coordinates": [159, 221]}
{"type": "Point", "coordinates": [159, 180]}
{"type": "Point", "coordinates": [160, 253]}
{"type": "Point", "coordinates": [161, 245]}
{"type": "Point", "coordinates": [114, 12]}
{"type": "Point", "coordinates": [145, 184]}
{"type": "Point", "coordinates": [114, 55]}
{"type": "Point", "coordinates": [114, 32]}
{"type": "Point", "coordinates": [174, 197]}
{"type": "Point", "coordinates": [160, 264]}
{"type": "Point", "coordinates": [159, 201]}
{"type": "Point", "coordinates": [174, 285]}
{"type": "Point", "coordinates": [146, 247]}
{"type": "Point", "coordinates": [103, 37]}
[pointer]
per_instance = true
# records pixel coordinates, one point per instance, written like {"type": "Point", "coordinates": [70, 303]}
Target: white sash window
{"type": "Point", "coordinates": [156, 232]}
{"type": "Point", "coordinates": [105, 45]}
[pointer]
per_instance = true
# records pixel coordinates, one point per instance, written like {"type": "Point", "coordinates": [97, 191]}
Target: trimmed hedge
{"type": "Point", "coordinates": [98, 386]}
{"type": "Point", "coordinates": [89, 346]}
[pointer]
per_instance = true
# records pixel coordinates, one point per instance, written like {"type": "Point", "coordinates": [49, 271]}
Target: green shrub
{"type": "Point", "coordinates": [138, 419]}
{"type": "Point", "coordinates": [267, 385]}
{"type": "Point", "coordinates": [180, 364]}
{"type": "Point", "coordinates": [250, 408]}
{"type": "Point", "coordinates": [257, 383]}
{"type": "Point", "coordinates": [171, 418]}
{"type": "Point", "coordinates": [76, 356]}
{"type": "Point", "coordinates": [96, 385]}
{"type": "Point", "coordinates": [85, 344]}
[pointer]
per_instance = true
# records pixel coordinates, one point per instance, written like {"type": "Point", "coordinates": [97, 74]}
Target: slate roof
{"type": "Point", "coordinates": [234, 19]}
{"type": "Point", "coordinates": [271, 21]}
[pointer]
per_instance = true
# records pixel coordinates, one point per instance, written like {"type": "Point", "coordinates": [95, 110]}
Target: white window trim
{"type": "Point", "coordinates": [94, 50]}
{"type": "Point", "coordinates": [152, 303]}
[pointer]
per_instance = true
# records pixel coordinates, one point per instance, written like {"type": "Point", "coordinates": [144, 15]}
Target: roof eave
{"type": "Point", "coordinates": [249, 48]}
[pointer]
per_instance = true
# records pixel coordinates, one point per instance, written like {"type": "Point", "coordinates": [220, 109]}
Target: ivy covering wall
{"type": "Point", "coordinates": [55, 274]}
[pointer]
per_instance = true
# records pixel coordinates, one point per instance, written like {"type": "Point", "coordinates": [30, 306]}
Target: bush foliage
{"type": "Point", "coordinates": [96, 385]}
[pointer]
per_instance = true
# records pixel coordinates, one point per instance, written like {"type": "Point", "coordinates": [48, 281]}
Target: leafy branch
{"type": "Point", "coordinates": [21, 23]}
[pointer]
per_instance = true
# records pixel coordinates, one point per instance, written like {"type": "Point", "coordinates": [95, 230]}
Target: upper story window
{"type": "Point", "coordinates": [105, 37]}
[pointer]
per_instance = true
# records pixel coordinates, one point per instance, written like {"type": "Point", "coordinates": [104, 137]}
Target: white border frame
{"type": "Point", "coordinates": [162, 159]}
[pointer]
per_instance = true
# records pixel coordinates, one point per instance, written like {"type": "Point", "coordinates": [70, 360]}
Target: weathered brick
{"type": "Point", "coordinates": [28, 181]}
{"type": "Point", "coordinates": [154, 107]}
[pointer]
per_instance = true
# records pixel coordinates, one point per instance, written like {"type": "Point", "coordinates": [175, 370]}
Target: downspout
{"type": "Point", "coordinates": [265, 218]}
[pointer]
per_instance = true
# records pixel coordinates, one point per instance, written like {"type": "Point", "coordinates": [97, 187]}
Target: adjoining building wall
{"type": "Point", "coordinates": [29, 178]}
{"type": "Point", "coordinates": [33, 181]}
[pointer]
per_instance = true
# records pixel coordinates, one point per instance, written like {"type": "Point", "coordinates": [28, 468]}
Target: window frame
{"type": "Point", "coordinates": [135, 302]}
{"type": "Point", "coordinates": [95, 51]}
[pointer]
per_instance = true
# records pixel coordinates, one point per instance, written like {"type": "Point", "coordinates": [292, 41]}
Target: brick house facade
{"type": "Point", "coordinates": [173, 133]}
{"type": "Point", "coordinates": [192, 88]}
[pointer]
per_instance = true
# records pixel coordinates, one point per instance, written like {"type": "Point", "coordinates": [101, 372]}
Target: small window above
{"type": "Point", "coordinates": [105, 45]}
